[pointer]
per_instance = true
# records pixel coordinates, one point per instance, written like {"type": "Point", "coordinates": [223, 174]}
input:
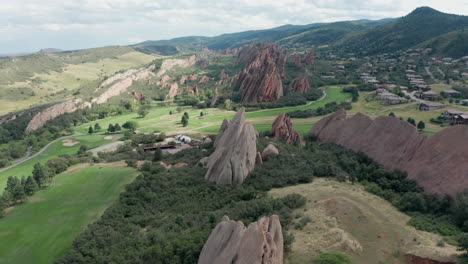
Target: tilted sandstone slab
{"type": "Point", "coordinates": [282, 129]}
{"type": "Point", "coordinates": [235, 151]}
{"type": "Point", "coordinates": [300, 84]}
{"type": "Point", "coordinates": [231, 242]}
{"type": "Point", "coordinates": [438, 163]}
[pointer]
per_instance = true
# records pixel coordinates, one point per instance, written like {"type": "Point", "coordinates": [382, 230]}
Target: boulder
{"type": "Point", "coordinates": [207, 140]}
{"type": "Point", "coordinates": [261, 78]}
{"type": "Point", "coordinates": [231, 242]}
{"type": "Point", "coordinates": [439, 164]}
{"type": "Point", "coordinates": [282, 129]}
{"type": "Point", "coordinates": [300, 84]}
{"type": "Point", "coordinates": [270, 152]}
{"type": "Point", "coordinates": [235, 151]}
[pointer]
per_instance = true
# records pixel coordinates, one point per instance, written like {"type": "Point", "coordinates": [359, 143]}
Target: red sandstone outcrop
{"type": "Point", "coordinates": [261, 78]}
{"type": "Point", "coordinates": [310, 57]}
{"type": "Point", "coordinates": [439, 163]}
{"type": "Point", "coordinates": [231, 242]}
{"type": "Point", "coordinates": [192, 77]}
{"type": "Point", "coordinates": [52, 112]}
{"type": "Point", "coordinates": [192, 90]}
{"type": "Point", "coordinates": [137, 97]}
{"type": "Point", "coordinates": [229, 51]}
{"type": "Point", "coordinates": [235, 152]}
{"type": "Point", "coordinates": [297, 62]}
{"type": "Point", "coordinates": [183, 79]}
{"type": "Point", "coordinates": [282, 129]}
{"type": "Point", "coordinates": [204, 79]}
{"type": "Point", "coordinates": [422, 260]}
{"type": "Point", "coordinates": [172, 91]}
{"type": "Point", "coordinates": [300, 84]}
{"type": "Point", "coordinates": [223, 78]}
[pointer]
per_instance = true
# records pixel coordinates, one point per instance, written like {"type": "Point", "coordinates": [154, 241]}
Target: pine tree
{"type": "Point", "coordinates": [2, 207]}
{"type": "Point", "coordinates": [117, 127]}
{"type": "Point", "coordinates": [7, 198]}
{"type": "Point", "coordinates": [421, 125]}
{"type": "Point", "coordinates": [90, 130]}
{"type": "Point", "coordinates": [184, 121]}
{"type": "Point", "coordinates": [97, 127]}
{"type": "Point", "coordinates": [15, 188]}
{"type": "Point", "coordinates": [30, 186]}
{"type": "Point", "coordinates": [201, 114]}
{"type": "Point", "coordinates": [41, 175]}
{"type": "Point", "coordinates": [157, 155]}
{"type": "Point", "coordinates": [111, 128]}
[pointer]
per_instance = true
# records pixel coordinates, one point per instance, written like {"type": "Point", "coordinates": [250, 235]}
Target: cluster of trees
{"type": "Point", "coordinates": [328, 108]}
{"type": "Point", "coordinates": [18, 190]}
{"type": "Point", "coordinates": [421, 125]}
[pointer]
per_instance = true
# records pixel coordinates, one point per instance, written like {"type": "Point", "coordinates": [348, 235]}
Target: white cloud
{"type": "Point", "coordinates": [70, 24]}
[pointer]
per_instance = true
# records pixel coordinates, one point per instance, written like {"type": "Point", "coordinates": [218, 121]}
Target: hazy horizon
{"type": "Point", "coordinates": [29, 27]}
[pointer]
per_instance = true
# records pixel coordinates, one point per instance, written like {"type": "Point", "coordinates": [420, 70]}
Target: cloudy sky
{"type": "Point", "coordinates": [29, 25]}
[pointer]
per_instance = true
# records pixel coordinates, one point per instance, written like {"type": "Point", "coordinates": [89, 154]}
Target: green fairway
{"type": "Point", "coordinates": [42, 229]}
{"type": "Point", "coordinates": [160, 119]}
{"type": "Point", "coordinates": [54, 150]}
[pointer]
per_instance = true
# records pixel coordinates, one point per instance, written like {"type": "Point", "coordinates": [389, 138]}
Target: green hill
{"type": "Point", "coordinates": [453, 44]}
{"type": "Point", "coordinates": [420, 25]}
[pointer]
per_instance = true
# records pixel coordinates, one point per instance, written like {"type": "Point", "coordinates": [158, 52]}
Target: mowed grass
{"type": "Point", "coordinates": [42, 229]}
{"type": "Point", "coordinates": [54, 150]}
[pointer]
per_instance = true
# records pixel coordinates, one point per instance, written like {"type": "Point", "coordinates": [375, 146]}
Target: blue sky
{"type": "Point", "coordinates": [29, 25]}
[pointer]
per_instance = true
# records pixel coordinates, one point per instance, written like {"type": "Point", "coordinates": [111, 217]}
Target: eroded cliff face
{"type": "Point", "coordinates": [235, 152]}
{"type": "Point", "coordinates": [231, 242]}
{"type": "Point", "coordinates": [54, 111]}
{"type": "Point", "coordinates": [282, 129]}
{"type": "Point", "coordinates": [300, 84]}
{"type": "Point", "coordinates": [261, 78]}
{"type": "Point", "coordinates": [439, 163]}
{"type": "Point", "coordinates": [168, 64]}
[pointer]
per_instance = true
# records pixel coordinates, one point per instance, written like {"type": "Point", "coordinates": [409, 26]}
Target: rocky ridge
{"type": "Point", "coordinates": [439, 164]}
{"type": "Point", "coordinates": [282, 129]}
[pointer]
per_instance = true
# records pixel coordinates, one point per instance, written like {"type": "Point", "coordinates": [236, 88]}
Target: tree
{"type": "Point", "coordinates": [2, 207]}
{"type": "Point", "coordinates": [117, 127]}
{"type": "Point", "coordinates": [411, 121]}
{"type": "Point", "coordinates": [83, 149]}
{"type": "Point", "coordinates": [130, 125]}
{"type": "Point", "coordinates": [170, 112]}
{"type": "Point", "coordinates": [184, 121]}
{"type": "Point", "coordinates": [90, 130]}
{"type": "Point", "coordinates": [142, 112]}
{"type": "Point", "coordinates": [30, 187]}
{"type": "Point", "coordinates": [463, 246]}
{"type": "Point", "coordinates": [186, 115]}
{"type": "Point", "coordinates": [111, 128]}
{"type": "Point", "coordinates": [97, 127]}
{"type": "Point", "coordinates": [201, 114]}
{"type": "Point", "coordinates": [40, 174]}
{"type": "Point", "coordinates": [228, 105]}
{"type": "Point", "coordinates": [391, 114]}
{"type": "Point", "coordinates": [7, 198]}
{"type": "Point", "coordinates": [332, 258]}
{"type": "Point", "coordinates": [157, 155]}
{"type": "Point", "coordinates": [15, 188]}
{"type": "Point", "coordinates": [421, 125]}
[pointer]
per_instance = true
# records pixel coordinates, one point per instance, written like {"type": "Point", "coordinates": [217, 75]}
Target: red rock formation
{"type": "Point", "coordinates": [282, 129]}
{"type": "Point", "coordinates": [235, 152]}
{"type": "Point", "coordinates": [300, 84]}
{"type": "Point", "coordinates": [203, 63]}
{"type": "Point", "coordinates": [137, 97]}
{"type": "Point", "coordinates": [204, 79]}
{"type": "Point", "coordinates": [421, 260]}
{"type": "Point", "coordinates": [223, 78]}
{"type": "Point", "coordinates": [173, 91]}
{"type": "Point", "coordinates": [192, 90]}
{"type": "Point", "coordinates": [231, 242]}
{"type": "Point", "coordinates": [183, 79]}
{"type": "Point", "coordinates": [192, 77]}
{"type": "Point", "coordinates": [310, 57]}
{"type": "Point", "coordinates": [439, 163]}
{"type": "Point", "coordinates": [297, 62]}
{"type": "Point", "coordinates": [229, 51]}
{"type": "Point", "coordinates": [261, 78]}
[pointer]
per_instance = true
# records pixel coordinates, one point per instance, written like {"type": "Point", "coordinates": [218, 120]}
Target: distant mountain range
{"type": "Point", "coordinates": [424, 27]}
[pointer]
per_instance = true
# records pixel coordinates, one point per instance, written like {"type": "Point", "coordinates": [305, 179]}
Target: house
{"type": "Point", "coordinates": [451, 114]}
{"type": "Point", "coordinates": [429, 106]}
{"type": "Point", "coordinates": [451, 94]}
{"type": "Point", "coordinates": [429, 95]}
{"type": "Point", "coordinates": [461, 120]}
{"type": "Point", "coordinates": [464, 102]}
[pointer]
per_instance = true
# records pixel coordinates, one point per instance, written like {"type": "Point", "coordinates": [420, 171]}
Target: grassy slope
{"type": "Point", "coordinates": [347, 219]}
{"type": "Point", "coordinates": [70, 78]}
{"type": "Point", "coordinates": [43, 229]}
{"type": "Point", "coordinates": [52, 151]}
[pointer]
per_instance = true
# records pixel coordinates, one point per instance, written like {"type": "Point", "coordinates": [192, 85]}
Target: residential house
{"type": "Point", "coordinates": [429, 106]}
{"type": "Point", "coordinates": [451, 94]}
{"type": "Point", "coordinates": [429, 95]}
